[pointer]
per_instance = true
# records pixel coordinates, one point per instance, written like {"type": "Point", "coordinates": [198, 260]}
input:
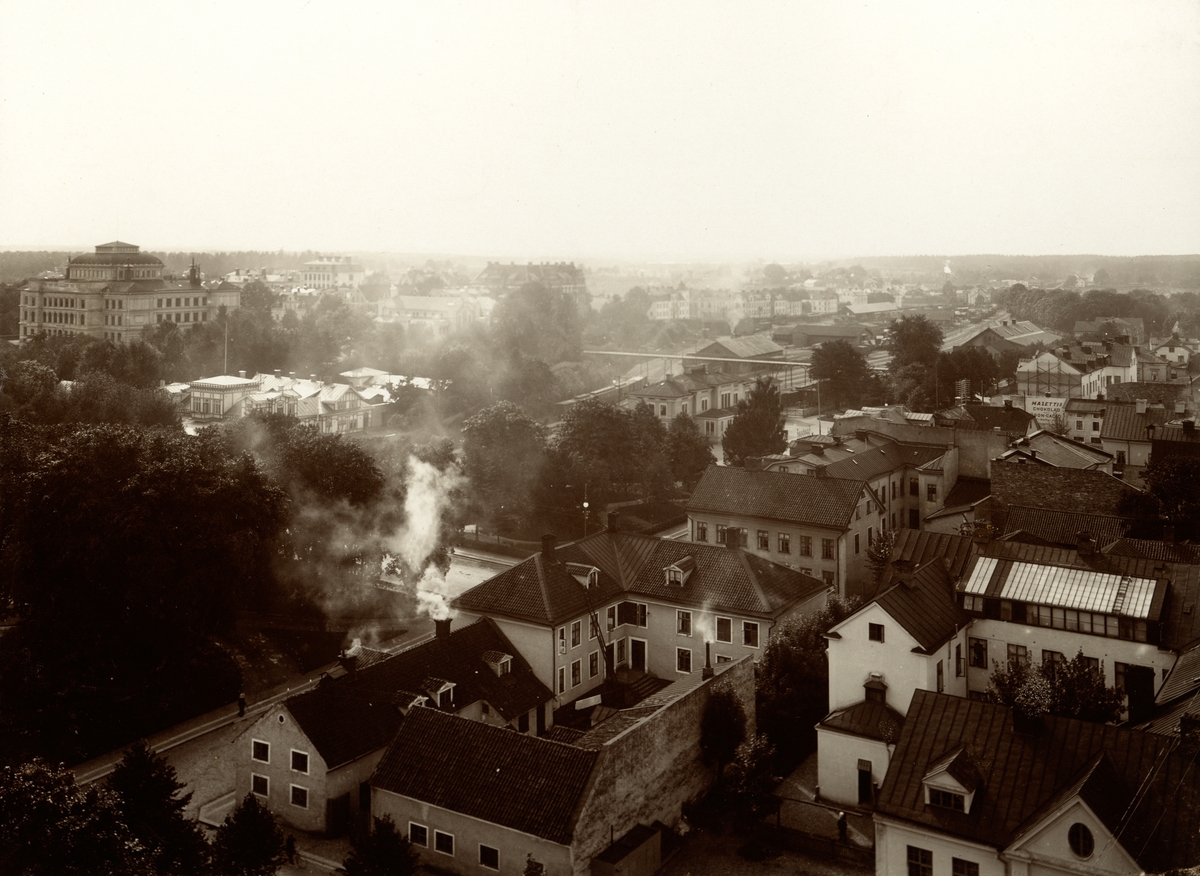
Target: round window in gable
{"type": "Point", "coordinates": [280, 717]}
{"type": "Point", "coordinates": [1081, 840]}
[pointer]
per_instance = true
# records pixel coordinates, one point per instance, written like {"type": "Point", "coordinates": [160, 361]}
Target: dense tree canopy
{"type": "Point", "coordinates": [688, 451]}
{"type": "Point", "coordinates": [249, 841]}
{"type": "Point", "coordinates": [1070, 689]}
{"type": "Point", "coordinates": [914, 340]}
{"type": "Point", "coordinates": [757, 428]}
{"type": "Point", "coordinates": [384, 851]}
{"type": "Point", "coordinates": [504, 454]}
{"type": "Point", "coordinates": [722, 726]}
{"type": "Point", "coordinates": [846, 381]}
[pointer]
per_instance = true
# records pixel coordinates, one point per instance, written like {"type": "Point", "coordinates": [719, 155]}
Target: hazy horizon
{"type": "Point", "coordinates": [680, 133]}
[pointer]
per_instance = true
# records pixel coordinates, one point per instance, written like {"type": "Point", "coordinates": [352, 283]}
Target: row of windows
{"type": "Point", "coordinates": [418, 835]}
{"type": "Point", "coordinates": [1093, 623]}
{"type": "Point", "coordinates": [59, 318]}
{"type": "Point", "coordinates": [182, 317]}
{"type": "Point", "coordinates": [804, 543]}
{"type": "Point", "coordinates": [261, 752]}
{"type": "Point", "coordinates": [261, 786]}
{"type": "Point", "coordinates": [920, 863]}
{"type": "Point", "coordinates": [195, 301]}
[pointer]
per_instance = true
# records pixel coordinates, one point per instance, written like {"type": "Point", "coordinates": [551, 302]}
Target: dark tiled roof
{"type": "Point", "coordinates": [872, 720]}
{"type": "Point", "coordinates": [1154, 393]}
{"type": "Point", "coordinates": [1169, 552]}
{"type": "Point", "coordinates": [1059, 489]}
{"type": "Point", "coordinates": [1060, 556]}
{"type": "Point", "coordinates": [511, 779]}
{"type": "Point", "coordinates": [880, 460]}
{"type": "Point", "coordinates": [1124, 423]}
{"type": "Point", "coordinates": [916, 547]}
{"type": "Point", "coordinates": [1021, 774]}
{"type": "Point", "coordinates": [1181, 626]}
{"type": "Point", "coordinates": [1183, 679]}
{"type": "Point", "coordinates": [730, 579]}
{"type": "Point", "coordinates": [1012, 420]}
{"type": "Point", "coordinates": [1063, 527]}
{"type": "Point", "coordinates": [922, 601]}
{"type": "Point", "coordinates": [1061, 451]}
{"type": "Point", "coordinates": [350, 716]}
{"type": "Point", "coordinates": [795, 498]}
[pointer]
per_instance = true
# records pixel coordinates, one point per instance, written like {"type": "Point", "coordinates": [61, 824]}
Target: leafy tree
{"type": "Point", "coordinates": [751, 780]}
{"type": "Point", "coordinates": [593, 443]}
{"type": "Point", "coordinates": [792, 683]}
{"type": "Point", "coordinates": [722, 726]}
{"type": "Point", "coordinates": [757, 428]}
{"type": "Point", "coordinates": [504, 453]}
{"type": "Point", "coordinates": [51, 827]}
{"type": "Point", "coordinates": [150, 802]}
{"type": "Point", "coordinates": [1174, 481]}
{"type": "Point", "coordinates": [382, 852]}
{"type": "Point", "coordinates": [914, 340]}
{"type": "Point", "coordinates": [843, 371]}
{"type": "Point", "coordinates": [538, 322]}
{"type": "Point", "coordinates": [879, 552]}
{"type": "Point", "coordinates": [688, 451]}
{"type": "Point", "coordinates": [1070, 689]}
{"type": "Point", "coordinates": [648, 446]}
{"type": "Point", "coordinates": [775, 274]}
{"type": "Point", "coordinates": [248, 842]}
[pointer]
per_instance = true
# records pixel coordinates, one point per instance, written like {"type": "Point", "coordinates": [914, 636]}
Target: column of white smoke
{"type": "Point", "coordinates": [425, 504]}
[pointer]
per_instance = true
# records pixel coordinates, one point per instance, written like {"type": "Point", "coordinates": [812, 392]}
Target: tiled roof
{"type": "Point", "coordinates": [795, 498]}
{"type": "Point", "coordinates": [511, 779]}
{"type": "Point", "coordinates": [1068, 587]}
{"type": "Point", "coordinates": [1184, 678]}
{"type": "Point", "coordinates": [880, 460]}
{"type": "Point", "coordinates": [1063, 527]}
{"type": "Point", "coordinates": [922, 601]}
{"type": "Point", "coordinates": [1021, 774]}
{"type": "Point", "coordinates": [872, 720]}
{"type": "Point", "coordinates": [350, 716]}
{"type": "Point", "coordinates": [1124, 423]}
{"type": "Point", "coordinates": [1181, 626]}
{"type": "Point", "coordinates": [1057, 489]}
{"type": "Point", "coordinates": [544, 592]}
{"type": "Point", "coordinates": [1011, 420]}
{"type": "Point", "coordinates": [916, 547]}
{"type": "Point", "coordinates": [1154, 392]}
{"type": "Point", "coordinates": [1169, 552]}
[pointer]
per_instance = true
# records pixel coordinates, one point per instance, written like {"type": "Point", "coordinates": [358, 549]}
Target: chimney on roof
{"type": "Point", "coordinates": [1032, 453]}
{"type": "Point", "coordinates": [441, 628]}
{"type": "Point", "coordinates": [278, 373]}
{"type": "Point", "coordinates": [708, 667]}
{"type": "Point", "coordinates": [1084, 544]}
{"type": "Point", "coordinates": [1008, 403]}
{"type": "Point", "coordinates": [242, 374]}
{"type": "Point", "coordinates": [733, 538]}
{"type": "Point", "coordinates": [1140, 405]}
{"type": "Point", "coordinates": [613, 518]}
{"type": "Point", "coordinates": [549, 541]}
{"type": "Point", "coordinates": [818, 449]}
{"type": "Point", "coordinates": [1189, 426]}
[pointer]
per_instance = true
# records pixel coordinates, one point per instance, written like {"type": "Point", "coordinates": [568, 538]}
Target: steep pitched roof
{"type": "Point", "coordinates": [511, 779]}
{"type": "Point", "coordinates": [922, 602]}
{"type": "Point", "coordinates": [741, 348]}
{"type": "Point", "coordinates": [350, 716]}
{"type": "Point", "coordinates": [1021, 775]}
{"type": "Point", "coordinates": [917, 547]}
{"type": "Point", "coordinates": [1169, 552]}
{"type": "Point", "coordinates": [1062, 451]}
{"type": "Point", "coordinates": [880, 460]}
{"type": "Point", "coordinates": [796, 498]}
{"type": "Point", "coordinates": [543, 591]}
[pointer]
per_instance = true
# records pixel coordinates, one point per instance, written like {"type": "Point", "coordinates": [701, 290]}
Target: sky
{"type": "Point", "coordinates": [689, 131]}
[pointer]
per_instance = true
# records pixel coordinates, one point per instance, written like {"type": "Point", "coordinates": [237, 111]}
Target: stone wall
{"type": "Point", "coordinates": [648, 772]}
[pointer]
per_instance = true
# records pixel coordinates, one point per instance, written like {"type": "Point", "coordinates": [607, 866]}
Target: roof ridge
{"type": "Point", "coordinates": [763, 602]}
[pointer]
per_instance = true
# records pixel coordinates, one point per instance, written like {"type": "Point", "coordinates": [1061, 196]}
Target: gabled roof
{"type": "Point", "coordinates": [1061, 451]}
{"type": "Point", "coordinates": [922, 602]}
{"type": "Point", "coordinates": [1062, 527]}
{"type": "Point", "coordinates": [1184, 678]}
{"type": "Point", "coordinates": [543, 591]}
{"type": "Point", "coordinates": [741, 348]}
{"type": "Point", "coordinates": [796, 498]}
{"type": "Point", "coordinates": [880, 460]}
{"type": "Point", "coordinates": [915, 548]}
{"type": "Point", "coordinates": [870, 719]}
{"type": "Point", "coordinates": [968, 491]}
{"type": "Point", "coordinates": [514, 780]}
{"type": "Point", "coordinates": [1022, 775]}
{"type": "Point", "coordinates": [1153, 392]}
{"type": "Point", "coordinates": [348, 717]}
{"type": "Point", "coordinates": [1169, 552]}
{"type": "Point", "coordinates": [1011, 420]}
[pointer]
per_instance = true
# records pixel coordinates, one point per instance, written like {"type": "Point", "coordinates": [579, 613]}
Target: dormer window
{"type": "Point", "coordinates": [946, 799]}
{"type": "Point", "coordinates": [588, 576]}
{"type": "Point", "coordinates": [678, 572]}
{"type": "Point", "coordinates": [951, 781]}
{"type": "Point", "coordinates": [500, 663]}
{"type": "Point", "coordinates": [440, 692]}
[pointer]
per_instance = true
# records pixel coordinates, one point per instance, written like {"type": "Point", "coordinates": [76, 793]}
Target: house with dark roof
{"type": "Point", "coordinates": [810, 335]}
{"type": "Point", "coordinates": [474, 798]}
{"type": "Point", "coordinates": [749, 349]}
{"type": "Point", "coordinates": [309, 757]}
{"type": "Point", "coordinates": [622, 601]}
{"type": "Point", "coordinates": [1129, 329]}
{"type": "Point", "coordinates": [1044, 447]}
{"type": "Point", "coordinates": [910, 637]}
{"type": "Point", "coordinates": [1061, 528]}
{"type": "Point", "coordinates": [971, 790]}
{"type": "Point", "coordinates": [705, 392]}
{"type": "Point", "coordinates": [819, 524]}
{"type": "Point", "coordinates": [1006, 419]}
{"type": "Point", "coordinates": [1054, 489]}
{"type": "Point", "coordinates": [1128, 430]}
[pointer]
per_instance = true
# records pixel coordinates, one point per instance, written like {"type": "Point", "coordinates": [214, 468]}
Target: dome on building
{"type": "Point", "coordinates": [116, 253]}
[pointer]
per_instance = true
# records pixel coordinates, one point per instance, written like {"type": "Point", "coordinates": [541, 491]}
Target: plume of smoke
{"type": "Point", "coordinates": [432, 594]}
{"type": "Point", "coordinates": [425, 505]}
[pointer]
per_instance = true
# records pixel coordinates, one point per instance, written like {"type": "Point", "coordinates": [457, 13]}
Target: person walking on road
{"type": "Point", "coordinates": [242, 705]}
{"type": "Point", "coordinates": [842, 826]}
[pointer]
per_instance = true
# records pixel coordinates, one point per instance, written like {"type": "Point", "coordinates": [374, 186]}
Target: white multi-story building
{"type": "Point", "coordinates": [333, 272]}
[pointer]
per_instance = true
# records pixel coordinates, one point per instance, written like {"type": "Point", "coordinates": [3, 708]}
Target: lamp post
{"type": "Point", "coordinates": [585, 511]}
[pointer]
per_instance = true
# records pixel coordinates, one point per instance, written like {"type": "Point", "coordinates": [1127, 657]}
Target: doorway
{"type": "Point", "coordinates": [637, 654]}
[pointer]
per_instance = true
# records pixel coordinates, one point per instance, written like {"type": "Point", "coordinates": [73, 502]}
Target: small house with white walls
{"type": "Point", "coordinates": [309, 758]}
{"type": "Point", "coordinates": [975, 790]}
{"type": "Point", "coordinates": [910, 637]}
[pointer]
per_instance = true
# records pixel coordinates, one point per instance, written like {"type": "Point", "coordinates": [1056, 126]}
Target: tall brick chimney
{"type": "Point", "coordinates": [549, 542]}
{"type": "Point", "coordinates": [441, 628]}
